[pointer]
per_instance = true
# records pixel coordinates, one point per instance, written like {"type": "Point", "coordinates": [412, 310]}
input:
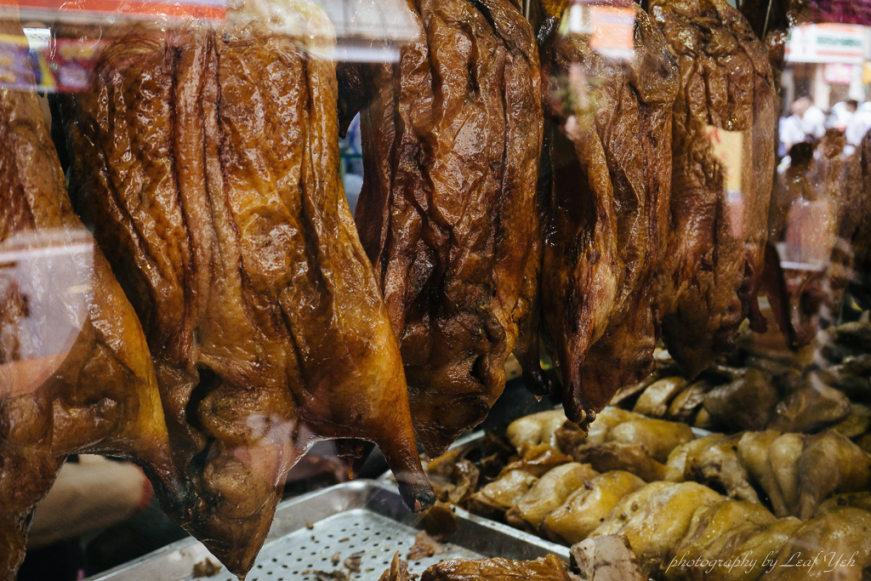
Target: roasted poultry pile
{"type": "Point", "coordinates": [827, 385]}
{"type": "Point", "coordinates": [673, 498]}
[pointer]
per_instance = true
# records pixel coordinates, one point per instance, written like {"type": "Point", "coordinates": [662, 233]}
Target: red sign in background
{"type": "Point", "coordinates": [843, 11]}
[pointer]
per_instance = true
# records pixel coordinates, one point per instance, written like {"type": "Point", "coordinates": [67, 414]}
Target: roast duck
{"type": "Point", "coordinates": [96, 390]}
{"type": "Point", "coordinates": [213, 186]}
{"type": "Point", "coordinates": [605, 211]}
{"type": "Point", "coordinates": [447, 214]}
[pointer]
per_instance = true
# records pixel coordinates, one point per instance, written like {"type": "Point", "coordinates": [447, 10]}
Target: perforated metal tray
{"type": "Point", "coordinates": [365, 516]}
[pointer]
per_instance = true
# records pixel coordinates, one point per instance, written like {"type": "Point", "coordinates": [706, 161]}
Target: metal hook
{"type": "Point", "coordinates": [767, 17]}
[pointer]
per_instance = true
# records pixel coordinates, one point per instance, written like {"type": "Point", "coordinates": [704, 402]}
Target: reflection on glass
{"type": "Point", "coordinates": [610, 26]}
{"type": "Point", "coordinates": [45, 291]}
{"type": "Point", "coordinates": [728, 148]}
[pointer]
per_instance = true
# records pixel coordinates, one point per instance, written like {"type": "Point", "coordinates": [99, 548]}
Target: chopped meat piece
{"type": "Point", "coordinates": [205, 568]}
{"type": "Point", "coordinates": [424, 546]}
{"type": "Point", "coordinates": [398, 571]}
{"type": "Point", "coordinates": [549, 568]}
{"type": "Point", "coordinates": [335, 575]}
{"type": "Point", "coordinates": [353, 562]}
{"type": "Point", "coordinates": [607, 558]}
{"type": "Point", "coordinates": [440, 520]}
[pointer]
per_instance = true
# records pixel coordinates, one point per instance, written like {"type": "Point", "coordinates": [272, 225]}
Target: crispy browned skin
{"type": "Point", "coordinates": [862, 237]}
{"type": "Point", "coordinates": [716, 253]}
{"type": "Point", "coordinates": [447, 214]}
{"type": "Point", "coordinates": [804, 298]}
{"type": "Point", "coordinates": [549, 568]}
{"type": "Point", "coordinates": [207, 160]}
{"type": "Point", "coordinates": [101, 396]}
{"type": "Point", "coordinates": [606, 214]}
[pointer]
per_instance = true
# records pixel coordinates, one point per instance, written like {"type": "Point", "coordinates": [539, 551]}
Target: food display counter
{"type": "Point", "coordinates": [652, 217]}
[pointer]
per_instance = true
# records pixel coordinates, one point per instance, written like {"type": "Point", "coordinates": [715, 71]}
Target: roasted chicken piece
{"type": "Point", "coordinates": [605, 211]}
{"type": "Point", "coordinates": [632, 458]}
{"type": "Point", "coordinates": [587, 507]}
{"type": "Point", "coordinates": [447, 214]}
{"type": "Point", "coordinates": [658, 437]}
{"type": "Point", "coordinates": [621, 440]}
{"type": "Point", "coordinates": [856, 500]}
{"type": "Point", "coordinates": [656, 517]}
{"type": "Point", "coordinates": [599, 430]}
{"type": "Point", "coordinates": [206, 158]}
{"type": "Point", "coordinates": [746, 403]}
{"type": "Point", "coordinates": [656, 398]}
{"type": "Point", "coordinates": [688, 404]}
{"type": "Point", "coordinates": [830, 463]}
{"type": "Point", "coordinates": [712, 534]}
{"type": "Point", "coordinates": [548, 494]}
{"type": "Point", "coordinates": [548, 568]}
{"type": "Point", "coordinates": [538, 460]}
{"type": "Point", "coordinates": [75, 371]}
{"type": "Point", "coordinates": [536, 429]}
{"type": "Point", "coordinates": [839, 542]}
{"type": "Point", "coordinates": [719, 209]}
{"type": "Point", "coordinates": [798, 472]}
{"type": "Point", "coordinates": [494, 499]}
{"type": "Point", "coordinates": [718, 465]}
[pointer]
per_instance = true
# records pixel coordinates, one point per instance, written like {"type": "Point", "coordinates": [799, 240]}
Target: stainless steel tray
{"type": "Point", "coordinates": [357, 516]}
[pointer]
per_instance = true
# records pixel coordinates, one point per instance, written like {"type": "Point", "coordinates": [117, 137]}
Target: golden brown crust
{"type": "Point", "coordinates": [606, 214]}
{"type": "Point", "coordinates": [717, 245]}
{"type": "Point", "coordinates": [451, 140]}
{"type": "Point", "coordinates": [99, 397]}
{"type": "Point", "coordinates": [207, 159]}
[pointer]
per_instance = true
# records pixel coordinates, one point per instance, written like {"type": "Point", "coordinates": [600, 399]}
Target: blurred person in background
{"type": "Point", "coordinates": [806, 123]}
{"type": "Point", "coordinates": [842, 113]}
{"type": "Point", "coordinates": [859, 125]}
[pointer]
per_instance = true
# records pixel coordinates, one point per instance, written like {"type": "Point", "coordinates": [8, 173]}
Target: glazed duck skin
{"type": "Point", "coordinates": [447, 214]}
{"type": "Point", "coordinates": [605, 217]}
{"type": "Point", "coordinates": [213, 186]}
{"type": "Point", "coordinates": [99, 393]}
{"type": "Point", "coordinates": [716, 244]}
